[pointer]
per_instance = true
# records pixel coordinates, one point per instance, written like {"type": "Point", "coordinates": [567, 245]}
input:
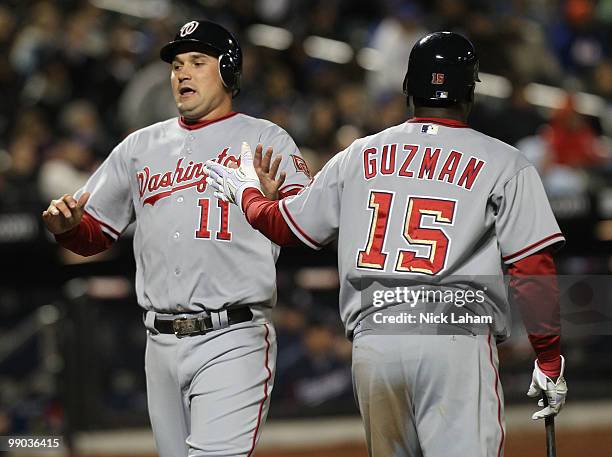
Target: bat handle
{"type": "Point", "coordinates": [549, 423]}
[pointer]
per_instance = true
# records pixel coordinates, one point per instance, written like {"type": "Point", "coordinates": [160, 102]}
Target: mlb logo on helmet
{"type": "Point", "coordinates": [189, 28]}
{"type": "Point", "coordinates": [437, 78]}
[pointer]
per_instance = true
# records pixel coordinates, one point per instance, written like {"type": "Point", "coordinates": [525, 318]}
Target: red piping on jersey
{"type": "Point", "coordinates": [501, 428]}
{"type": "Point", "coordinates": [291, 186]}
{"type": "Point", "coordinates": [297, 227]}
{"type": "Point", "coordinates": [261, 405]}
{"type": "Point", "coordinates": [115, 232]}
{"type": "Point", "coordinates": [289, 190]}
{"type": "Point", "coordinates": [453, 123]}
{"type": "Point", "coordinates": [532, 246]}
{"type": "Point", "coordinates": [198, 125]}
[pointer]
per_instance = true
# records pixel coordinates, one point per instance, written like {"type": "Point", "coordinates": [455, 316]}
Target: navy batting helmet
{"type": "Point", "coordinates": [209, 38]}
{"type": "Point", "coordinates": [442, 69]}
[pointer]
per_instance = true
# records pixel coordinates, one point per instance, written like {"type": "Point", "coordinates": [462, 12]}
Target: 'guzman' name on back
{"type": "Point", "coordinates": [415, 161]}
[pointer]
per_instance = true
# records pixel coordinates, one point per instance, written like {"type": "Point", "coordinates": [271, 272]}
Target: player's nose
{"type": "Point", "coordinates": [184, 76]}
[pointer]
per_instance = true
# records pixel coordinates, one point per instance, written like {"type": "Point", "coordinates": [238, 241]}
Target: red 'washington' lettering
{"type": "Point", "coordinates": [164, 184]}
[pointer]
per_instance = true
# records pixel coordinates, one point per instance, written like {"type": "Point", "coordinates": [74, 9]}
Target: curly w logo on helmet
{"type": "Point", "coordinates": [189, 28]}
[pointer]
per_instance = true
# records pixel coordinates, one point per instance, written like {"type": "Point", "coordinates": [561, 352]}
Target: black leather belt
{"type": "Point", "coordinates": [192, 326]}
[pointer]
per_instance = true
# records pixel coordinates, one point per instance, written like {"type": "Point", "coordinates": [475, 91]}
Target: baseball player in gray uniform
{"type": "Point", "coordinates": [205, 278]}
{"type": "Point", "coordinates": [431, 199]}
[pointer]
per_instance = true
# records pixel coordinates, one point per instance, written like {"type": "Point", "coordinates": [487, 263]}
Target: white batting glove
{"type": "Point", "coordinates": [555, 391]}
{"type": "Point", "coordinates": [230, 183]}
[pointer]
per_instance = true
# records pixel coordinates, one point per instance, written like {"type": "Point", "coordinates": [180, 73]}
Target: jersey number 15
{"type": "Point", "coordinates": [374, 257]}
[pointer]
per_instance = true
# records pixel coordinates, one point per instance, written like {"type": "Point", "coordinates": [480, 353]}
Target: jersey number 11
{"type": "Point", "coordinates": [223, 234]}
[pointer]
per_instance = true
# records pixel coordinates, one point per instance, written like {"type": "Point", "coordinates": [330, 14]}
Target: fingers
{"type": "Point", "coordinates": [51, 211]}
{"type": "Point", "coordinates": [275, 164]}
{"type": "Point", "coordinates": [214, 179]}
{"type": "Point", "coordinates": [246, 156]}
{"type": "Point", "coordinates": [257, 157]}
{"type": "Point", "coordinates": [264, 164]}
{"type": "Point", "coordinates": [551, 404]}
{"type": "Point", "coordinates": [547, 412]}
{"type": "Point", "coordinates": [215, 183]}
{"type": "Point", "coordinates": [66, 205]}
{"type": "Point", "coordinates": [211, 168]}
{"type": "Point", "coordinates": [63, 206]}
{"type": "Point", "coordinates": [207, 166]}
{"type": "Point", "coordinates": [534, 391]}
{"type": "Point", "coordinates": [267, 158]}
{"type": "Point", "coordinates": [543, 413]}
{"type": "Point", "coordinates": [70, 201]}
{"type": "Point", "coordinates": [79, 206]}
{"type": "Point", "coordinates": [281, 179]}
{"type": "Point", "coordinates": [83, 200]}
{"type": "Point", "coordinates": [221, 196]}
{"type": "Point", "coordinates": [214, 175]}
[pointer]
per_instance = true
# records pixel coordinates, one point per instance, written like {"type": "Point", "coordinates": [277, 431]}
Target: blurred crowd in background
{"type": "Point", "coordinates": [77, 76]}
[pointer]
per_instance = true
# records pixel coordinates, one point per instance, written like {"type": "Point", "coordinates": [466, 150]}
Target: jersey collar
{"type": "Point", "coordinates": [453, 123]}
{"type": "Point", "coordinates": [199, 125]}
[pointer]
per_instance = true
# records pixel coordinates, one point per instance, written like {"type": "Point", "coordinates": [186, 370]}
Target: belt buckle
{"type": "Point", "coordinates": [185, 327]}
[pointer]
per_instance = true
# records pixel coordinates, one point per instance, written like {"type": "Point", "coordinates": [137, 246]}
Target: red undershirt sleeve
{"type": "Point", "coordinates": [534, 288]}
{"type": "Point", "coordinates": [289, 193]}
{"type": "Point", "coordinates": [85, 239]}
{"type": "Point", "coordinates": [265, 216]}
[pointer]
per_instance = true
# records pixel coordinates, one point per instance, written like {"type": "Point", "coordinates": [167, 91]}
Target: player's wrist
{"type": "Point", "coordinates": [551, 367]}
{"type": "Point", "coordinates": [242, 191]}
{"type": "Point", "coordinates": [552, 370]}
{"type": "Point", "coordinates": [249, 195]}
{"type": "Point", "coordinates": [66, 234]}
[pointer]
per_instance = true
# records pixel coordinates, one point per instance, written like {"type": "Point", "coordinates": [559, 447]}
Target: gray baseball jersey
{"type": "Point", "coordinates": [191, 250]}
{"type": "Point", "coordinates": [207, 394]}
{"type": "Point", "coordinates": [424, 198]}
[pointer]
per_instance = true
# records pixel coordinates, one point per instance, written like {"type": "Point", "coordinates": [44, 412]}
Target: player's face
{"type": "Point", "coordinates": [196, 84]}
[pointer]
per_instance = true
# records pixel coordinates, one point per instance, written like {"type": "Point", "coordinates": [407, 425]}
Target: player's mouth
{"type": "Point", "coordinates": [186, 92]}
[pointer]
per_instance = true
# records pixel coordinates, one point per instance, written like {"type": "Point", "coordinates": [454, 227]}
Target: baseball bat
{"type": "Point", "coordinates": [549, 423]}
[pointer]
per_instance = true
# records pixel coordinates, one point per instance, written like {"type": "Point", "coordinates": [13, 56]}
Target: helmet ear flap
{"type": "Point", "coordinates": [229, 74]}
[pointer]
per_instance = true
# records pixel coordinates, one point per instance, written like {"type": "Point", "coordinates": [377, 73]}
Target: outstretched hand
{"type": "Point", "coordinates": [229, 183]}
{"type": "Point", "coordinates": [266, 170]}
